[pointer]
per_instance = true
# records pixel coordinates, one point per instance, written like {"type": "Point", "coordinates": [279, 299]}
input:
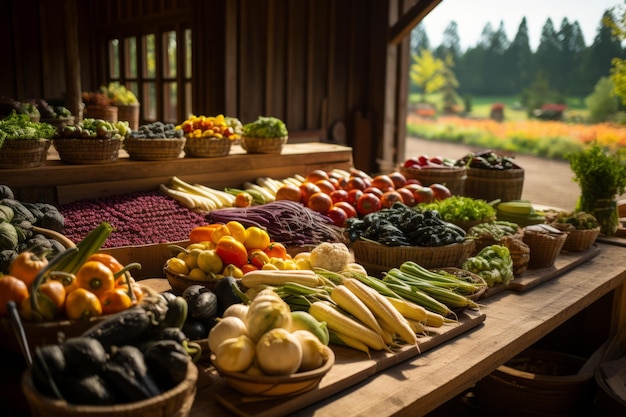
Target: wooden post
{"type": "Point", "coordinates": [72, 62]}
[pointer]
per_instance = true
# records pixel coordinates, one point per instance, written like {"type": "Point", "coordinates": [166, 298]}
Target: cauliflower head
{"type": "Point", "coordinates": [333, 257]}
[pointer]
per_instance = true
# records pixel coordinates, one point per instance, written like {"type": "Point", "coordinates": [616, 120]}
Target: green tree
{"type": "Point", "coordinates": [548, 53]}
{"type": "Point", "coordinates": [426, 73]}
{"type": "Point", "coordinates": [418, 39]}
{"type": "Point", "coordinates": [602, 103]}
{"type": "Point", "coordinates": [518, 61]}
{"type": "Point", "coordinates": [450, 43]}
{"type": "Point", "coordinates": [606, 47]}
{"type": "Point", "coordinates": [618, 65]}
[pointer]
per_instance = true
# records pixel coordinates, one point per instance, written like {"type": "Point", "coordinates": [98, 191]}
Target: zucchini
{"type": "Point", "coordinates": [127, 370]}
{"type": "Point", "coordinates": [85, 354]}
{"type": "Point", "coordinates": [168, 361]}
{"type": "Point", "coordinates": [127, 326]}
{"type": "Point", "coordinates": [176, 315]}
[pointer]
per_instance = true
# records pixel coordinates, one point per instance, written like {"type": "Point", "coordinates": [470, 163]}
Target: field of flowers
{"type": "Point", "coordinates": [550, 139]}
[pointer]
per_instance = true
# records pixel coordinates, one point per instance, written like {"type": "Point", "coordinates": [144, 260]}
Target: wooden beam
{"type": "Point", "coordinates": [73, 97]}
{"type": "Point", "coordinates": [410, 19]}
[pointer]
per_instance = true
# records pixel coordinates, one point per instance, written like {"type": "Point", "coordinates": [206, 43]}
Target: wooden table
{"type": "Point", "coordinates": [514, 321]}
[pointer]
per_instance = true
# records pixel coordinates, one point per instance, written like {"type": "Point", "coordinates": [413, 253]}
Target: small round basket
{"type": "Point", "coordinates": [377, 258]}
{"type": "Point", "coordinates": [79, 151]}
{"type": "Point", "coordinates": [165, 149]}
{"type": "Point", "coordinates": [263, 145]}
{"type": "Point", "coordinates": [494, 184]}
{"type": "Point", "coordinates": [483, 241]}
{"type": "Point", "coordinates": [208, 147]}
{"type": "Point", "coordinates": [580, 240]}
{"type": "Point", "coordinates": [544, 247]}
{"type": "Point", "coordinates": [452, 177]}
{"type": "Point", "coordinates": [520, 252]}
{"type": "Point", "coordinates": [24, 153]}
{"type": "Point", "coordinates": [277, 386]}
{"type": "Point", "coordinates": [108, 113]}
{"type": "Point", "coordinates": [536, 383]}
{"type": "Point", "coordinates": [176, 402]}
{"type": "Point", "coordinates": [179, 282]}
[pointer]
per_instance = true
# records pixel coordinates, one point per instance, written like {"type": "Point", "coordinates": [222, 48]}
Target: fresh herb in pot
{"type": "Point", "coordinates": [265, 127]}
{"type": "Point", "coordinates": [600, 174]}
{"type": "Point", "coordinates": [19, 126]}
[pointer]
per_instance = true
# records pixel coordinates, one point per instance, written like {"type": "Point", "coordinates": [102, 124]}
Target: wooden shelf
{"type": "Point", "coordinates": [60, 183]}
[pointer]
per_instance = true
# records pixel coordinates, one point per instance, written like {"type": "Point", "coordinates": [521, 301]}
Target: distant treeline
{"type": "Point", "coordinates": [562, 63]}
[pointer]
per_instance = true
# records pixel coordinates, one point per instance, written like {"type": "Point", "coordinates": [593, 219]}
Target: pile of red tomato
{"type": "Point", "coordinates": [341, 197]}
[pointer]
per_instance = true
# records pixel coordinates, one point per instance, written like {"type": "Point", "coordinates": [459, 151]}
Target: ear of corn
{"type": "Point", "coordinates": [381, 307]}
{"type": "Point", "coordinates": [341, 323]}
{"type": "Point", "coordinates": [280, 277]}
{"type": "Point", "coordinates": [346, 300]}
{"type": "Point", "coordinates": [343, 340]}
{"type": "Point", "coordinates": [409, 309]}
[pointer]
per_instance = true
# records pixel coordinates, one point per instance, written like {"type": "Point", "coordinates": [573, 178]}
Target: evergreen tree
{"type": "Point", "coordinates": [419, 39]}
{"type": "Point", "coordinates": [605, 47]}
{"type": "Point", "coordinates": [618, 64]}
{"type": "Point", "coordinates": [518, 61]}
{"type": "Point", "coordinates": [494, 62]}
{"type": "Point", "coordinates": [548, 54]}
{"type": "Point", "coordinates": [450, 43]}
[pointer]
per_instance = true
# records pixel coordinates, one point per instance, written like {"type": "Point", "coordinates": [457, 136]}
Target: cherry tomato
{"type": "Point", "coordinates": [82, 304]}
{"type": "Point", "coordinates": [115, 300]}
{"type": "Point", "coordinates": [95, 277]}
{"type": "Point", "coordinates": [232, 251]}
{"type": "Point", "coordinates": [258, 258]}
{"type": "Point", "coordinates": [55, 291]}
{"type": "Point", "coordinates": [276, 250]}
{"type": "Point", "coordinates": [11, 289]}
{"type": "Point", "coordinates": [109, 260]}
{"type": "Point", "coordinates": [27, 265]}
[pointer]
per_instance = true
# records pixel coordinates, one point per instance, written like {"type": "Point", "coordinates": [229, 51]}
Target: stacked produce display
{"type": "Point", "coordinates": [267, 284]}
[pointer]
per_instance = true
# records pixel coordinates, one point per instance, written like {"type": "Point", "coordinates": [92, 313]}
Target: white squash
{"type": "Point", "coordinates": [235, 354]}
{"type": "Point", "coordinates": [226, 328]}
{"type": "Point", "coordinates": [314, 353]}
{"type": "Point", "coordinates": [279, 352]}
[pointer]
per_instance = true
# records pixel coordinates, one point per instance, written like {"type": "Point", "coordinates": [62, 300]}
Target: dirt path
{"type": "Point", "coordinates": [546, 182]}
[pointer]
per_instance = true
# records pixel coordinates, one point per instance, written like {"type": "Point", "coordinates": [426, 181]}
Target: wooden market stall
{"type": "Point", "coordinates": [335, 73]}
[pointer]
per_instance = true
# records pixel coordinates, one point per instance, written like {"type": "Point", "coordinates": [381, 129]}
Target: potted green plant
{"type": "Point", "coordinates": [23, 143]}
{"type": "Point", "coordinates": [601, 175]}
{"type": "Point", "coordinates": [264, 135]}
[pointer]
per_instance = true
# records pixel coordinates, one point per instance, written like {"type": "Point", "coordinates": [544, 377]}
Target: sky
{"type": "Point", "coordinates": [471, 16]}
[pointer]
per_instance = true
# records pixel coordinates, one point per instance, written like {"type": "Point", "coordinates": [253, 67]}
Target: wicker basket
{"type": "Point", "coordinates": [452, 177]}
{"type": "Point", "coordinates": [520, 252]}
{"type": "Point", "coordinates": [607, 401]}
{"type": "Point", "coordinates": [484, 241]}
{"type": "Point", "coordinates": [129, 114]}
{"type": "Point", "coordinates": [176, 402]}
{"type": "Point", "coordinates": [580, 240]}
{"type": "Point", "coordinates": [24, 153]}
{"type": "Point", "coordinates": [108, 113]}
{"type": "Point", "coordinates": [263, 145]}
{"type": "Point", "coordinates": [544, 247]}
{"type": "Point", "coordinates": [494, 184]}
{"type": "Point", "coordinates": [87, 151]}
{"type": "Point", "coordinates": [207, 147]}
{"type": "Point", "coordinates": [154, 149]}
{"type": "Point", "coordinates": [552, 386]}
{"type": "Point", "coordinates": [378, 258]}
